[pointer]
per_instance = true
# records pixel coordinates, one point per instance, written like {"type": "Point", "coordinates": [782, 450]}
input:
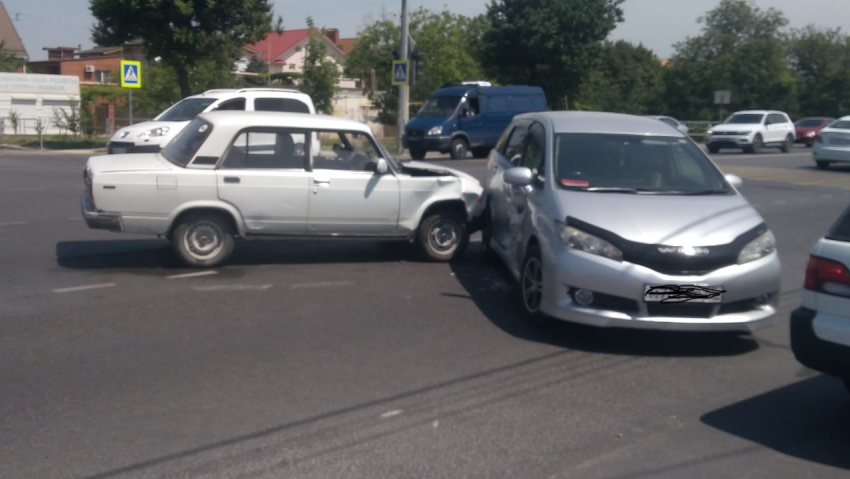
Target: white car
{"type": "Point", "coordinates": [752, 130]}
{"type": "Point", "coordinates": [672, 122]}
{"type": "Point", "coordinates": [232, 175]}
{"type": "Point", "coordinates": [152, 136]}
{"type": "Point", "coordinates": [820, 327]}
{"type": "Point", "coordinates": [832, 144]}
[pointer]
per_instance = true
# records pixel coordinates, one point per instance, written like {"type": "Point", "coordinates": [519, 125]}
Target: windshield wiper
{"type": "Point", "coordinates": [613, 189]}
{"type": "Point", "coordinates": [697, 192]}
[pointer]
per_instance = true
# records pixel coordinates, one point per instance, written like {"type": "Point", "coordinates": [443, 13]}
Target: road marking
{"type": "Point", "coordinates": [325, 284]}
{"type": "Point", "coordinates": [233, 287]}
{"type": "Point", "coordinates": [83, 288]}
{"type": "Point", "coordinates": [13, 223]}
{"type": "Point", "coordinates": [802, 176]}
{"type": "Point", "coordinates": [391, 413]}
{"type": "Point", "coordinates": [827, 180]}
{"type": "Point", "coordinates": [192, 275]}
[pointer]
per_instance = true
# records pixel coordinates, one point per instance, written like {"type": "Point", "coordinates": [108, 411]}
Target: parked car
{"type": "Point", "coordinates": [751, 131]}
{"type": "Point", "coordinates": [820, 327]}
{"type": "Point", "coordinates": [672, 122]}
{"type": "Point", "coordinates": [152, 136]}
{"type": "Point", "coordinates": [806, 129]}
{"type": "Point", "coordinates": [832, 144]}
{"type": "Point", "coordinates": [456, 119]}
{"type": "Point", "coordinates": [616, 220]}
{"type": "Point", "coordinates": [231, 175]}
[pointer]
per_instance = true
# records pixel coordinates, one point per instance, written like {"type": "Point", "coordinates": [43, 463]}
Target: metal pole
{"type": "Point", "coordinates": [131, 106]}
{"type": "Point", "coordinates": [403, 91]}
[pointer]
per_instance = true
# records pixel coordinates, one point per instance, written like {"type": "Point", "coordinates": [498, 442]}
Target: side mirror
{"type": "Point", "coordinates": [519, 176]}
{"type": "Point", "coordinates": [735, 181]}
{"type": "Point", "coordinates": [381, 166]}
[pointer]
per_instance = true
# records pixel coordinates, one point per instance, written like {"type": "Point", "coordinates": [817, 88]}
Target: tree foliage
{"type": "Point", "coordinates": [321, 75]}
{"type": "Point", "coordinates": [548, 43]}
{"type": "Point", "coordinates": [625, 78]}
{"type": "Point", "coordinates": [184, 33]}
{"type": "Point", "coordinates": [821, 59]}
{"type": "Point", "coordinates": [9, 62]}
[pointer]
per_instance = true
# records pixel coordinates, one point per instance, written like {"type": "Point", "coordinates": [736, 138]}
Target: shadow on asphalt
{"type": "Point", "coordinates": [158, 254]}
{"type": "Point", "coordinates": [491, 287]}
{"type": "Point", "coordinates": [807, 420]}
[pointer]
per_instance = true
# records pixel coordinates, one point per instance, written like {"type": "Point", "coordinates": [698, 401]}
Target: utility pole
{"type": "Point", "coordinates": [404, 90]}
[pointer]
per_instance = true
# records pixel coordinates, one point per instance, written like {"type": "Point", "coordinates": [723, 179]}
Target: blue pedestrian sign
{"type": "Point", "coordinates": [401, 73]}
{"type": "Point", "coordinates": [131, 74]}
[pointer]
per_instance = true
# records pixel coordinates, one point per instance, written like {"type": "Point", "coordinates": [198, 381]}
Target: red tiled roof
{"type": "Point", "coordinates": [346, 44]}
{"type": "Point", "coordinates": [275, 45]}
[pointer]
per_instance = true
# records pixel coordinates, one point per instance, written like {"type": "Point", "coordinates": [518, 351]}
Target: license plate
{"type": "Point", "coordinates": [119, 150]}
{"type": "Point", "coordinates": [683, 293]}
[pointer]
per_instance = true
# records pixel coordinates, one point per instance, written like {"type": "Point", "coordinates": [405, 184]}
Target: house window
{"type": "Point", "coordinates": [292, 66]}
{"type": "Point", "coordinates": [103, 76]}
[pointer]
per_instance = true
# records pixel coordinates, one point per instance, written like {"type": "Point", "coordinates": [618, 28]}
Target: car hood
{"type": "Point", "coordinates": [127, 163]}
{"type": "Point", "coordinates": [424, 123]}
{"type": "Point", "coordinates": [668, 220]}
{"type": "Point", "coordinates": [727, 128]}
{"type": "Point", "coordinates": [132, 132]}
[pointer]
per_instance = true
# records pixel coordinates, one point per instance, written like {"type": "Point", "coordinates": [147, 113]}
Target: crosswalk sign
{"type": "Point", "coordinates": [131, 74]}
{"type": "Point", "coordinates": [401, 73]}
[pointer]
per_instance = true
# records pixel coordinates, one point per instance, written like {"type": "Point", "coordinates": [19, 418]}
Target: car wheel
{"type": "Point", "coordinates": [443, 236]}
{"type": "Point", "coordinates": [531, 285]}
{"type": "Point", "coordinates": [203, 240]}
{"type": "Point", "coordinates": [480, 152]}
{"type": "Point", "coordinates": [756, 146]}
{"type": "Point", "coordinates": [787, 144]}
{"type": "Point", "coordinates": [417, 153]}
{"type": "Point", "coordinates": [459, 148]}
{"type": "Point", "coordinates": [822, 165]}
{"type": "Point", "coordinates": [713, 149]}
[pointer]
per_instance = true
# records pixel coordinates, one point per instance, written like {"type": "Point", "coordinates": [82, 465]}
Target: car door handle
{"type": "Point", "coordinates": [231, 179]}
{"type": "Point", "coordinates": [321, 181]}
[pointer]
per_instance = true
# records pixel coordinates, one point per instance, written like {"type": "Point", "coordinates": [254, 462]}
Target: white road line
{"type": "Point", "coordinates": [325, 284]}
{"type": "Point", "coordinates": [83, 288]}
{"type": "Point", "coordinates": [233, 287]}
{"type": "Point", "coordinates": [391, 413]}
{"type": "Point", "coordinates": [13, 223]}
{"type": "Point", "coordinates": [192, 275]}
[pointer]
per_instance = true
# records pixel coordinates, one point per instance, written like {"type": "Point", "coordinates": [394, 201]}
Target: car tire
{"type": "Point", "coordinates": [418, 153]}
{"type": "Point", "coordinates": [531, 285]}
{"type": "Point", "coordinates": [203, 240]}
{"type": "Point", "coordinates": [459, 149]}
{"type": "Point", "coordinates": [713, 149]}
{"type": "Point", "coordinates": [480, 152]}
{"type": "Point", "coordinates": [787, 144]}
{"type": "Point", "coordinates": [755, 148]}
{"type": "Point", "coordinates": [822, 165]}
{"type": "Point", "coordinates": [443, 236]}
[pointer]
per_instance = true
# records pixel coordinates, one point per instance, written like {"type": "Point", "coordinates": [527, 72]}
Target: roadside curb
{"type": "Point", "coordinates": [4, 148]}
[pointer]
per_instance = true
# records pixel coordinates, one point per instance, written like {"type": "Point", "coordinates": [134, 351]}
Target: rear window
{"type": "Point", "coordinates": [281, 104]}
{"type": "Point", "coordinates": [840, 125]}
{"type": "Point", "coordinates": [182, 149]}
{"type": "Point", "coordinates": [840, 231]}
{"type": "Point", "coordinates": [809, 123]}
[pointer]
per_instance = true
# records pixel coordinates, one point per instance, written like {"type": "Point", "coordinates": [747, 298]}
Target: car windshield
{"type": "Point", "coordinates": [186, 109]}
{"type": "Point", "coordinates": [809, 122]}
{"type": "Point", "coordinates": [745, 118]}
{"type": "Point", "coordinates": [439, 106]}
{"type": "Point", "coordinates": [634, 164]}
{"type": "Point", "coordinates": [183, 147]}
{"type": "Point", "coordinates": [840, 125]}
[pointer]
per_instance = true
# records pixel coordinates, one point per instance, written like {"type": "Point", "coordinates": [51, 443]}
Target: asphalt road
{"type": "Point", "coordinates": [355, 360]}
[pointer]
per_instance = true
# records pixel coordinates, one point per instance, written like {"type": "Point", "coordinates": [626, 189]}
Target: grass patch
{"type": "Point", "coordinates": [55, 142]}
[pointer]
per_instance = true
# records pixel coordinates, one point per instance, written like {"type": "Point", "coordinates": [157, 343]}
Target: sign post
{"type": "Point", "coordinates": [722, 97]}
{"type": "Point", "coordinates": [131, 77]}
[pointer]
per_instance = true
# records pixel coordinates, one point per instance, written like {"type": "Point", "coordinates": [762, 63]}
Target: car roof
{"type": "Point", "coordinates": [602, 122]}
{"type": "Point", "coordinates": [758, 112]}
{"type": "Point", "coordinates": [232, 92]}
{"type": "Point", "coordinates": [244, 119]}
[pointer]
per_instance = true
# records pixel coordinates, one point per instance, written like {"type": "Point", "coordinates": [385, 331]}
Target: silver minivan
{"type": "Point", "coordinates": [616, 220]}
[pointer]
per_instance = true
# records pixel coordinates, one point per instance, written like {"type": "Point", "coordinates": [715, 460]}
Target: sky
{"type": "Point", "coordinates": [657, 24]}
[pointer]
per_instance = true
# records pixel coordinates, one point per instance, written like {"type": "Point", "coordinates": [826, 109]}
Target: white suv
{"type": "Point", "coordinates": [152, 136]}
{"type": "Point", "coordinates": [751, 130]}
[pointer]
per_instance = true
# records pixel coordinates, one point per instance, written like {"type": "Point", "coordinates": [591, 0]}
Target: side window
{"type": "Point", "coordinates": [515, 142]}
{"type": "Point", "coordinates": [687, 168]}
{"type": "Point", "coordinates": [536, 150]}
{"type": "Point", "coordinates": [345, 150]}
{"type": "Point", "coordinates": [233, 104]}
{"type": "Point", "coordinates": [280, 104]}
{"type": "Point", "coordinates": [266, 149]}
{"type": "Point", "coordinates": [473, 109]}
{"type": "Point", "coordinates": [503, 140]}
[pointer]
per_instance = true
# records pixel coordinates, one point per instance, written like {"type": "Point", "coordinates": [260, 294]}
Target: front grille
{"type": "Point", "coordinates": [681, 310]}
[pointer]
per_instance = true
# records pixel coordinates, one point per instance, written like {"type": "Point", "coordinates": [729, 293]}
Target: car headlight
{"type": "Point", "coordinates": [758, 248]}
{"type": "Point", "coordinates": [437, 130]}
{"type": "Point", "coordinates": [810, 134]}
{"type": "Point", "coordinates": [155, 133]}
{"type": "Point", "coordinates": [582, 241]}
{"type": "Point", "coordinates": [709, 132]}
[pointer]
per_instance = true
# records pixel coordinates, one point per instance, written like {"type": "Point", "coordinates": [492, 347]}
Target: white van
{"type": "Point", "coordinates": [152, 136]}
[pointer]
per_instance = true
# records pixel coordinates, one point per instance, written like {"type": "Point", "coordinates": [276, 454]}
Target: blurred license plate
{"type": "Point", "coordinates": [119, 150]}
{"type": "Point", "coordinates": [683, 293]}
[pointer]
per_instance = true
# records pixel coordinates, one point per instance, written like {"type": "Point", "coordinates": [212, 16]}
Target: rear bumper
{"type": "Point", "coordinates": [831, 153]}
{"type": "Point", "coordinates": [99, 220]}
{"type": "Point", "coordinates": [813, 352]}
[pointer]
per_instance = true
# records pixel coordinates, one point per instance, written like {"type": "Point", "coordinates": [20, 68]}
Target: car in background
{"type": "Point", "coordinates": [832, 144]}
{"type": "Point", "coordinates": [254, 175]}
{"type": "Point", "coordinates": [806, 129]}
{"type": "Point", "coordinates": [820, 327]}
{"type": "Point", "coordinates": [751, 131]}
{"type": "Point", "coordinates": [616, 220]}
{"type": "Point", "coordinates": [152, 136]}
{"type": "Point", "coordinates": [672, 122]}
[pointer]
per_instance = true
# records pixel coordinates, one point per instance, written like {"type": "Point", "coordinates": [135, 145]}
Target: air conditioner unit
{"type": "Point", "coordinates": [89, 68]}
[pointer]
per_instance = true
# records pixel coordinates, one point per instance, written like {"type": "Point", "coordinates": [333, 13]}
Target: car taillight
{"type": "Point", "coordinates": [827, 276]}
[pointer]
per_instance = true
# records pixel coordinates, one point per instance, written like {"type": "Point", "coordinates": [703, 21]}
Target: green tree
{"type": "Point", "coordinates": [547, 43]}
{"type": "Point", "coordinates": [625, 78]}
{"type": "Point", "coordinates": [9, 62]}
{"type": "Point", "coordinates": [741, 49]}
{"type": "Point", "coordinates": [821, 58]}
{"type": "Point", "coordinates": [183, 33]}
{"type": "Point", "coordinates": [260, 68]}
{"type": "Point", "coordinates": [320, 74]}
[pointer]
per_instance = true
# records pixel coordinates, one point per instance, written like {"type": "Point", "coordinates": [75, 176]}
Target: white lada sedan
{"type": "Point", "coordinates": [253, 175]}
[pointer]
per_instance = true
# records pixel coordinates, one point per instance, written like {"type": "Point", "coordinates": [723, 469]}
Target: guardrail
{"type": "Point", "coordinates": [698, 130]}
